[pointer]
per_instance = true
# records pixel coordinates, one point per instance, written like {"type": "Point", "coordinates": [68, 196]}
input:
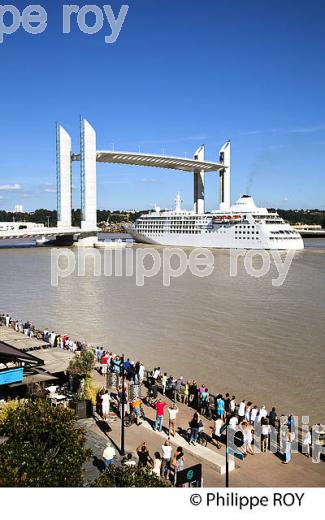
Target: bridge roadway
{"type": "Point", "coordinates": [54, 232]}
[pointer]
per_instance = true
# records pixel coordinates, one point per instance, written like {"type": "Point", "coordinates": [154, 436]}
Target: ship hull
{"type": "Point", "coordinates": [212, 240]}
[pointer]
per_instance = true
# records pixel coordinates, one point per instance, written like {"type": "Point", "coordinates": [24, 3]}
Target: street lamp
{"type": "Point", "coordinates": [123, 405]}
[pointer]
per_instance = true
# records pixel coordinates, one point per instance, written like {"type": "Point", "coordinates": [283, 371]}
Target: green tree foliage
{"type": "Point", "coordinates": [82, 364]}
{"type": "Point", "coordinates": [42, 447]}
{"type": "Point", "coordinates": [124, 476]}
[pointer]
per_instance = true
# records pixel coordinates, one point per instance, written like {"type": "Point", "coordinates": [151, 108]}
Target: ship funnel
{"type": "Point", "coordinates": [178, 203]}
{"type": "Point", "coordinates": [224, 176]}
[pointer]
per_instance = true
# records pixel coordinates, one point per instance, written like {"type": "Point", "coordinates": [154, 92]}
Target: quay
{"type": "Point", "coordinates": [258, 470]}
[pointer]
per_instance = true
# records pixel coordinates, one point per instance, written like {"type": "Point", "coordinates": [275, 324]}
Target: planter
{"type": "Point", "coordinates": [83, 409]}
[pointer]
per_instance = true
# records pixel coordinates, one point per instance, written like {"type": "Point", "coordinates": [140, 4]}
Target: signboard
{"type": "Point", "coordinates": [11, 376]}
{"type": "Point", "coordinates": [238, 454]}
{"type": "Point", "coordinates": [190, 477]}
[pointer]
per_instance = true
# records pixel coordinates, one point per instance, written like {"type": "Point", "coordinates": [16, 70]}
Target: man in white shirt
{"type": "Point", "coordinates": [218, 423]}
{"type": "Point", "coordinates": [253, 415]}
{"type": "Point", "coordinates": [166, 458]}
{"type": "Point", "coordinates": [262, 413]}
{"type": "Point", "coordinates": [141, 372]}
{"type": "Point", "coordinates": [52, 338]}
{"type": "Point", "coordinates": [106, 399]}
{"type": "Point", "coordinates": [233, 422]}
{"type": "Point", "coordinates": [109, 454]}
{"type": "Point", "coordinates": [173, 411]}
{"type": "Point", "coordinates": [241, 410]}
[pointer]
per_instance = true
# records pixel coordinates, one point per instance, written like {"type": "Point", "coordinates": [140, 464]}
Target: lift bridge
{"type": "Point", "coordinates": [86, 234]}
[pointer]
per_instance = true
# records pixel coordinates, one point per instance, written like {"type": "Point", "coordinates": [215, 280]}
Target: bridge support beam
{"type": "Point", "coordinates": [63, 177]}
{"type": "Point", "coordinates": [199, 183]}
{"type": "Point", "coordinates": [88, 177]}
{"type": "Point", "coordinates": [224, 177]}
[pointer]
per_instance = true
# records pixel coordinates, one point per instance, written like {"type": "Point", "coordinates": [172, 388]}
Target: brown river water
{"type": "Point", "coordinates": [237, 334]}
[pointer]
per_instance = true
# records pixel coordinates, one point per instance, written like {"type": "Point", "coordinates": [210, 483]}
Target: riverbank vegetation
{"type": "Point", "coordinates": [114, 218]}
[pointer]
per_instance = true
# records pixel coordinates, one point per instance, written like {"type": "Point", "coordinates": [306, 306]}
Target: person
{"type": "Point", "coordinates": [204, 401]}
{"type": "Point", "coordinates": [218, 424]}
{"type": "Point", "coordinates": [141, 373]}
{"type": "Point", "coordinates": [157, 464]}
{"type": "Point", "coordinates": [109, 455]}
{"type": "Point", "coordinates": [156, 373]}
{"type": "Point", "coordinates": [105, 399]}
{"type": "Point", "coordinates": [306, 443]}
{"type": "Point", "coordinates": [169, 387]}
{"type": "Point", "coordinates": [186, 393]}
{"type": "Point", "coordinates": [272, 417]}
{"type": "Point", "coordinates": [172, 411]}
{"type": "Point", "coordinates": [52, 338]}
{"type": "Point", "coordinates": [129, 461]}
{"type": "Point", "coordinates": [233, 422]}
{"type": "Point", "coordinates": [122, 397]}
{"type": "Point", "coordinates": [227, 405]}
{"type": "Point", "coordinates": [178, 389]}
{"type": "Point", "coordinates": [99, 409]}
{"type": "Point", "coordinates": [164, 383]}
{"type": "Point", "coordinates": [317, 442]}
{"type": "Point", "coordinates": [160, 406]}
{"type": "Point", "coordinates": [194, 425]}
{"type": "Point", "coordinates": [247, 437]}
{"type": "Point", "coordinates": [241, 411]}
{"type": "Point", "coordinates": [265, 434]}
{"type": "Point", "coordinates": [220, 406]}
{"type": "Point", "coordinates": [104, 363]}
{"type": "Point", "coordinates": [253, 415]}
{"type": "Point", "coordinates": [287, 455]}
{"type": "Point", "coordinates": [177, 462]}
{"type": "Point", "coordinates": [233, 404]}
{"type": "Point", "coordinates": [143, 455]}
{"type": "Point", "coordinates": [137, 379]}
{"type": "Point", "coordinates": [166, 458]}
{"type": "Point", "coordinates": [193, 394]}
{"type": "Point", "coordinates": [248, 411]}
{"type": "Point", "coordinates": [262, 413]}
{"type": "Point", "coordinates": [136, 407]}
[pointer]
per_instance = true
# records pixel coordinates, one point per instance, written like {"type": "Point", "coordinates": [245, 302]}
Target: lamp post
{"type": "Point", "coordinates": [227, 459]}
{"type": "Point", "coordinates": [123, 405]}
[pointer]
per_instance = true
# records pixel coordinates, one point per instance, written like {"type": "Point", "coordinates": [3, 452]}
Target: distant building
{"type": "Point", "coordinates": [19, 208]}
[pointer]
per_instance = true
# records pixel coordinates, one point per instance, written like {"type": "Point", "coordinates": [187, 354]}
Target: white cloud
{"type": "Point", "coordinates": [10, 187]}
{"type": "Point", "coordinates": [50, 190]}
{"type": "Point", "coordinates": [151, 181]}
{"type": "Point", "coordinates": [298, 130]}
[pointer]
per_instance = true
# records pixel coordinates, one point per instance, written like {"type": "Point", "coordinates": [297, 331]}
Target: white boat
{"type": "Point", "coordinates": [242, 226]}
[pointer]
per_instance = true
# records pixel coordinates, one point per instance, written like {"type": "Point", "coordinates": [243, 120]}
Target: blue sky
{"type": "Point", "coordinates": [181, 73]}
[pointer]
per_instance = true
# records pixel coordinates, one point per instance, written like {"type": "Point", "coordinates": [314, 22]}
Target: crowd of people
{"type": "Point", "coordinates": [165, 463]}
{"type": "Point", "coordinates": [241, 417]}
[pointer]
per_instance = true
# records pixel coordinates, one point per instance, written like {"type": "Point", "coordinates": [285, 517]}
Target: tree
{"type": "Point", "coordinates": [82, 364]}
{"type": "Point", "coordinates": [42, 447]}
{"type": "Point", "coordinates": [124, 476]}
{"type": "Point", "coordinates": [80, 367]}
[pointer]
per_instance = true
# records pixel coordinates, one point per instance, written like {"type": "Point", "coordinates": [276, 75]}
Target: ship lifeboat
{"type": "Point", "coordinates": [222, 219]}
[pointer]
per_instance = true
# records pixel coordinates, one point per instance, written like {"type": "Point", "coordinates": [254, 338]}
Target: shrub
{"type": "Point", "coordinates": [124, 476]}
{"type": "Point", "coordinates": [42, 447]}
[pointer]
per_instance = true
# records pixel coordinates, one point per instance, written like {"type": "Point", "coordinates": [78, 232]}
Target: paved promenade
{"type": "Point", "coordinates": [259, 470]}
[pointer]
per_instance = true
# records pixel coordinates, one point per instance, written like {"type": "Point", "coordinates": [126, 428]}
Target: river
{"type": "Point", "coordinates": [238, 334]}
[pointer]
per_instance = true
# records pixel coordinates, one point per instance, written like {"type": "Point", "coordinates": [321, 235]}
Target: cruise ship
{"type": "Point", "coordinates": [242, 225]}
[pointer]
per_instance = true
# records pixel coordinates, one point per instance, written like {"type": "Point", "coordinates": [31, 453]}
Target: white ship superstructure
{"type": "Point", "coordinates": [242, 225]}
